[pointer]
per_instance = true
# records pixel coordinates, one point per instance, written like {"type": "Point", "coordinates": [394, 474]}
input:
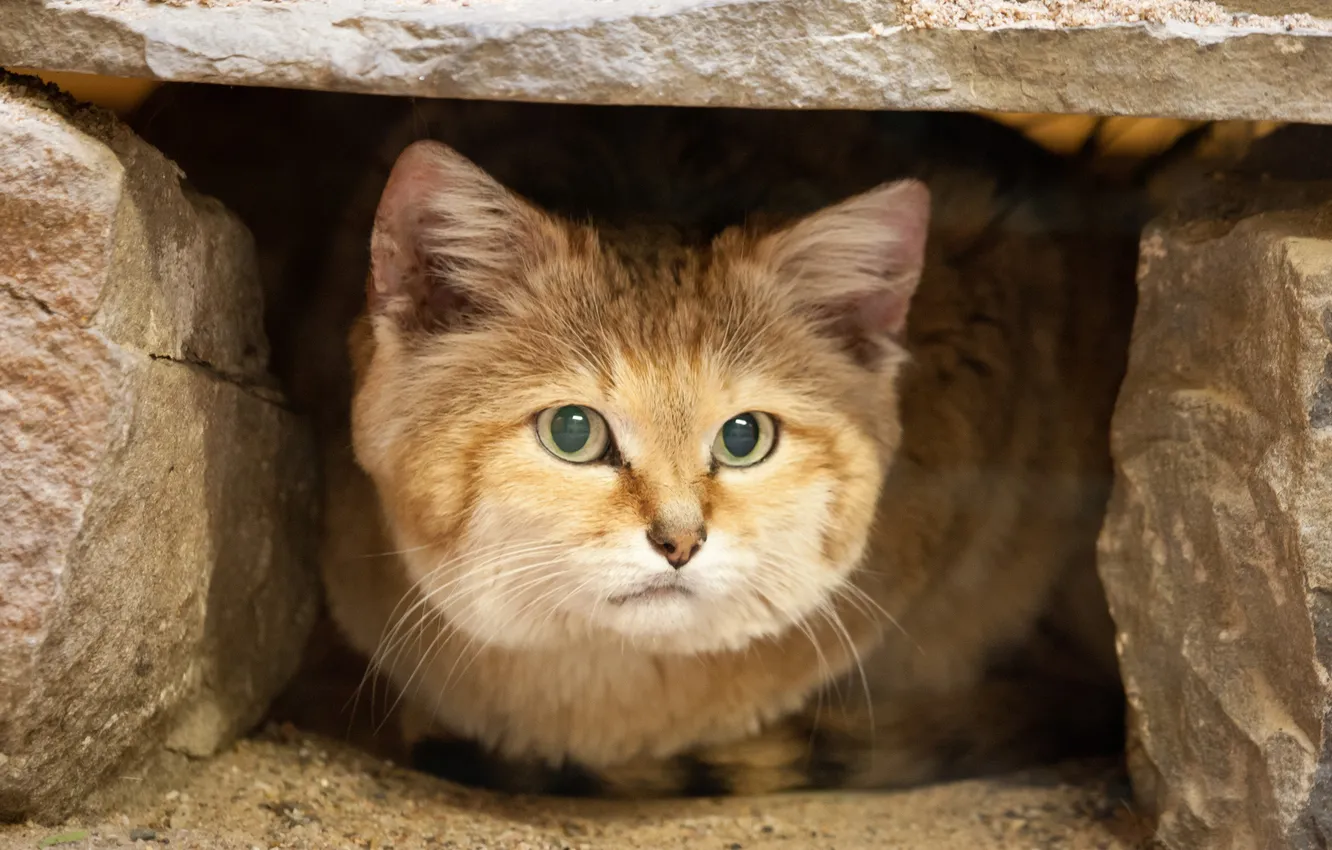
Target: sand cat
{"type": "Point", "coordinates": [729, 490]}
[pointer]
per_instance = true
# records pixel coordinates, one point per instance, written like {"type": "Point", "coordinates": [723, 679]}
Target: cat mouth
{"type": "Point", "coordinates": [659, 590]}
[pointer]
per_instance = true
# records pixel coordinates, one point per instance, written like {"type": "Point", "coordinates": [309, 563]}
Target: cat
{"type": "Point", "coordinates": [659, 489]}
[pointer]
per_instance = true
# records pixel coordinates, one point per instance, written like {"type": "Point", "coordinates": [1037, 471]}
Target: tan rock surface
{"type": "Point", "coordinates": [1183, 58]}
{"type": "Point", "coordinates": [156, 507]}
{"type": "Point", "coordinates": [309, 794]}
{"type": "Point", "coordinates": [1217, 553]}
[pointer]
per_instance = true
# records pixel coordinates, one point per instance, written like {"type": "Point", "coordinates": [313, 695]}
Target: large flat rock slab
{"type": "Point", "coordinates": [157, 502]}
{"type": "Point", "coordinates": [1184, 58]}
{"type": "Point", "coordinates": [1217, 551]}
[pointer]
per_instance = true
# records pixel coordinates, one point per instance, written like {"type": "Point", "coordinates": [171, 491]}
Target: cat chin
{"type": "Point", "coordinates": [670, 623]}
{"type": "Point", "coordinates": [682, 626]}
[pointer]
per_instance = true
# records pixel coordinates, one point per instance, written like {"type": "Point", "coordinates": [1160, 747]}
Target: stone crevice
{"type": "Point", "coordinates": [159, 523]}
{"type": "Point", "coordinates": [1320, 405]}
{"type": "Point", "coordinates": [266, 394]}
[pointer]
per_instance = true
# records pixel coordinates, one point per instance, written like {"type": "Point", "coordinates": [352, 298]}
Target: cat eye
{"type": "Point", "coordinates": [574, 433]}
{"type": "Point", "coordinates": [745, 440]}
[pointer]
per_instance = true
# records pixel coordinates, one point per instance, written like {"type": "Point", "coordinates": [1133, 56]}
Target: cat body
{"type": "Point", "coordinates": [902, 590]}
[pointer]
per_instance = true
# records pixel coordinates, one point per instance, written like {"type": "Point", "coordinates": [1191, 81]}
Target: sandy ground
{"type": "Point", "coordinates": [289, 790]}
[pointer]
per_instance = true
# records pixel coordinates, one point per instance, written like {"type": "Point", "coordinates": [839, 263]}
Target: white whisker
{"type": "Point", "coordinates": [438, 642]}
{"type": "Point", "coordinates": [414, 621]}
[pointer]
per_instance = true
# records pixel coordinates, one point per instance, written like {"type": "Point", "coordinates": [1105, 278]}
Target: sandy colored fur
{"type": "Point", "coordinates": [962, 490]}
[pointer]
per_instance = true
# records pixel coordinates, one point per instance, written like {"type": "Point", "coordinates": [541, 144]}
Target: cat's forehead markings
{"type": "Point", "coordinates": [666, 428]}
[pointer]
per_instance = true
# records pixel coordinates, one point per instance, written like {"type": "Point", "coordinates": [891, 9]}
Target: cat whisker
{"type": "Point", "coordinates": [396, 636]}
{"type": "Point", "coordinates": [444, 632]}
{"type": "Point", "coordinates": [462, 627]}
{"type": "Point", "coordinates": [428, 620]}
{"type": "Point", "coordinates": [853, 590]}
{"type": "Point", "coordinates": [392, 624]}
{"type": "Point", "coordinates": [415, 586]}
{"type": "Point", "coordinates": [830, 614]}
{"type": "Point", "coordinates": [498, 580]}
{"type": "Point", "coordinates": [796, 621]}
{"type": "Point", "coordinates": [515, 616]}
{"type": "Point", "coordinates": [825, 670]}
{"type": "Point", "coordinates": [393, 553]}
{"type": "Point", "coordinates": [827, 612]}
{"type": "Point", "coordinates": [851, 593]}
{"type": "Point", "coordinates": [550, 613]}
{"type": "Point", "coordinates": [427, 596]}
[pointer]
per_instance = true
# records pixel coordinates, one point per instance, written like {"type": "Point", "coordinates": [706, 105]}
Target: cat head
{"type": "Point", "coordinates": [575, 439]}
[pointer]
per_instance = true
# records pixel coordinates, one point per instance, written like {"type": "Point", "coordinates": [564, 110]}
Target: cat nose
{"type": "Point", "coordinates": [677, 546]}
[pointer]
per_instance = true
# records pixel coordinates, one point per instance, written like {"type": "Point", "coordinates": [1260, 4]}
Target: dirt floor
{"type": "Point", "coordinates": [284, 789]}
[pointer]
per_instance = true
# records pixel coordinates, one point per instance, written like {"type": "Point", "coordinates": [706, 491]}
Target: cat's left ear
{"type": "Point", "coordinates": [856, 264]}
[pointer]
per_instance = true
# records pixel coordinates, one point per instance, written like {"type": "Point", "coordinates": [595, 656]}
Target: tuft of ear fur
{"type": "Point", "coordinates": [450, 242]}
{"type": "Point", "coordinates": [855, 265]}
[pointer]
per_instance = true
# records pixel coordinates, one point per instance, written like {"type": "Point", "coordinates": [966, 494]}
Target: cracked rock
{"type": "Point", "coordinates": [1217, 551]}
{"type": "Point", "coordinates": [157, 506]}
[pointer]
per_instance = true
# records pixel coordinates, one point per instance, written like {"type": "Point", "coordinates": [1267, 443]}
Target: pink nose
{"type": "Point", "coordinates": [677, 546]}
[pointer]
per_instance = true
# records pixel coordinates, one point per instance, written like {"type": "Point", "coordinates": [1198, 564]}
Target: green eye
{"type": "Point", "coordinates": [745, 440]}
{"type": "Point", "coordinates": [574, 433]}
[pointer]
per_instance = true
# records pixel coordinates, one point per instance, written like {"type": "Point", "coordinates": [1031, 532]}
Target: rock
{"type": "Point", "coordinates": [1217, 551]}
{"type": "Point", "coordinates": [157, 505]}
{"type": "Point", "coordinates": [1130, 57]}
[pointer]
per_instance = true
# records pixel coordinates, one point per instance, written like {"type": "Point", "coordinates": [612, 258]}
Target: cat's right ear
{"type": "Point", "coordinates": [449, 242]}
{"type": "Point", "coordinates": [855, 265]}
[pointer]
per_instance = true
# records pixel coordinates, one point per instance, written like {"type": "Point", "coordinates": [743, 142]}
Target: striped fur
{"type": "Point", "coordinates": [1008, 722]}
{"type": "Point", "coordinates": [940, 484]}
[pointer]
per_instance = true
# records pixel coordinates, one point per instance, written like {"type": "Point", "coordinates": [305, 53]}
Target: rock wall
{"type": "Point", "coordinates": [157, 501]}
{"type": "Point", "coordinates": [1217, 552]}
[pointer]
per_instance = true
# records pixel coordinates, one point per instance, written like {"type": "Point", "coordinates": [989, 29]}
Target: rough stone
{"type": "Point", "coordinates": [1184, 58]}
{"type": "Point", "coordinates": [1217, 551]}
{"type": "Point", "coordinates": [156, 501]}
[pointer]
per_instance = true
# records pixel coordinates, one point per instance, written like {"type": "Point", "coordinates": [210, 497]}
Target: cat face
{"type": "Point", "coordinates": [574, 440]}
